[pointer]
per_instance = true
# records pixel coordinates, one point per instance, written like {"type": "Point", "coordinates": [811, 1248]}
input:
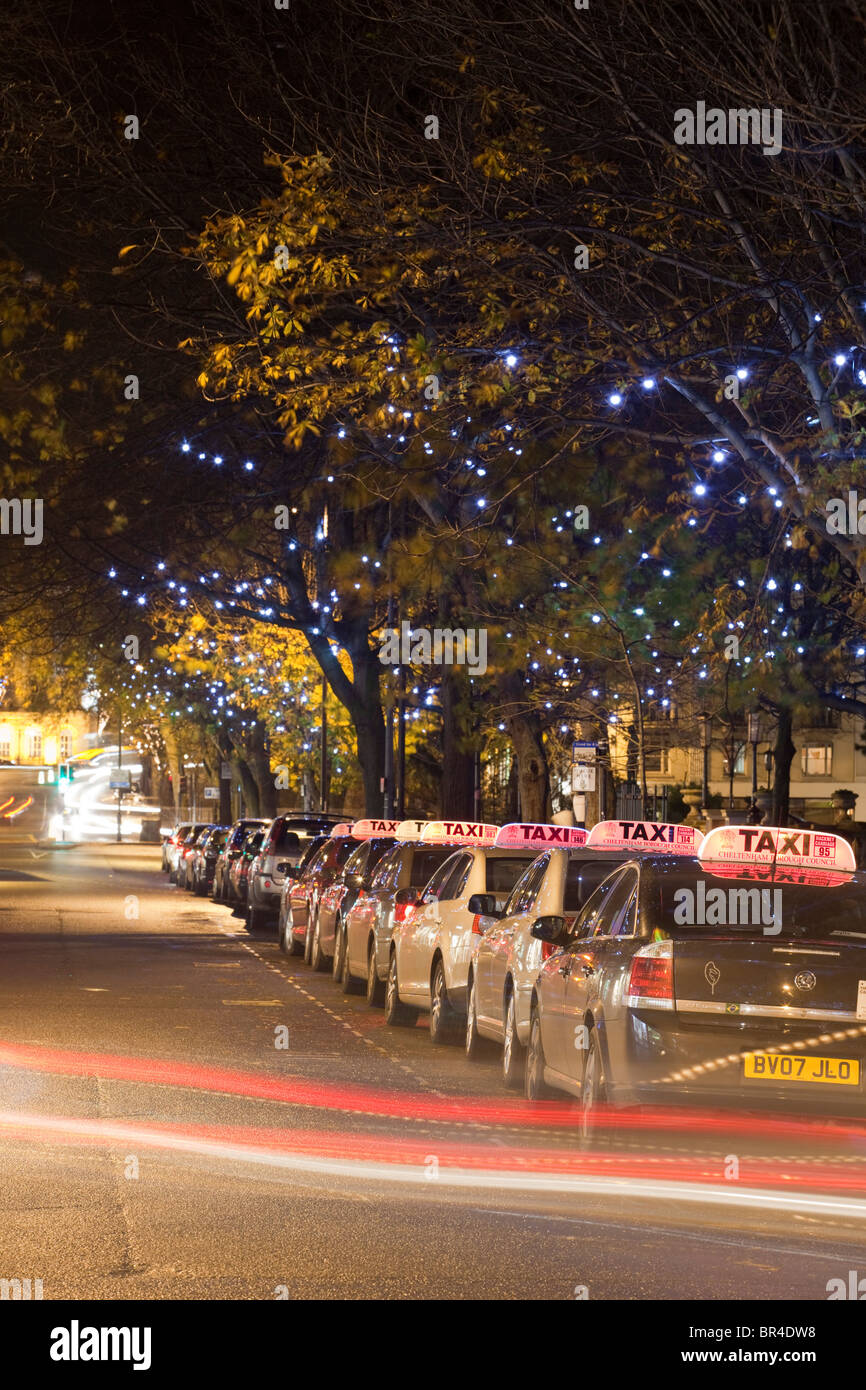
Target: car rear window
{"type": "Point", "coordinates": [425, 862]}
{"type": "Point", "coordinates": [502, 874]}
{"type": "Point", "coordinates": [709, 904]}
{"type": "Point", "coordinates": [582, 879]}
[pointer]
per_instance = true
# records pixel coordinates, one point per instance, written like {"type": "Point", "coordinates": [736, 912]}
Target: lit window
{"type": "Point", "coordinates": [34, 744]}
{"type": "Point", "coordinates": [817, 760]}
{"type": "Point", "coordinates": [65, 746]}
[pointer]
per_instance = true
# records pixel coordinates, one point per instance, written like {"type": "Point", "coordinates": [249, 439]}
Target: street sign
{"type": "Point", "coordinates": [119, 780]}
{"type": "Point", "coordinates": [225, 772]}
{"type": "Point", "coordinates": [211, 793]}
{"type": "Point", "coordinates": [583, 751]}
{"type": "Point", "coordinates": [583, 777]}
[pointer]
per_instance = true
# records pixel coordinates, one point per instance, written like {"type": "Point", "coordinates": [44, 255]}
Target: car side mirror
{"type": "Point", "coordinates": [483, 905]}
{"type": "Point", "coordinates": [550, 929]}
{"type": "Point", "coordinates": [356, 881]}
{"type": "Point", "coordinates": [288, 870]}
{"type": "Point", "coordinates": [407, 897]}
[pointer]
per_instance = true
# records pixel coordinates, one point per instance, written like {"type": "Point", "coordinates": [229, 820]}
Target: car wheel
{"type": "Point", "coordinates": [443, 1020]}
{"type": "Point", "coordinates": [375, 986]}
{"type": "Point", "coordinates": [337, 958]}
{"type": "Point", "coordinates": [318, 959]}
{"type": "Point", "coordinates": [308, 939]}
{"type": "Point", "coordinates": [350, 984]}
{"type": "Point", "coordinates": [592, 1092]}
{"type": "Point", "coordinates": [513, 1055]}
{"type": "Point", "coordinates": [534, 1085]}
{"type": "Point", "coordinates": [397, 1014]}
{"type": "Point", "coordinates": [473, 1037]}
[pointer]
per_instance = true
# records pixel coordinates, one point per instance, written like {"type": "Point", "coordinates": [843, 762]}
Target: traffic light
{"type": "Point", "coordinates": [66, 774]}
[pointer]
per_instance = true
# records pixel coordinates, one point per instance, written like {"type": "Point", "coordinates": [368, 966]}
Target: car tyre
{"type": "Point", "coordinates": [534, 1085]}
{"type": "Point", "coordinates": [375, 986]}
{"type": "Point", "coordinates": [351, 985]}
{"type": "Point", "coordinates": [397, 1014]}
{"type": "Point", "coordinates": [318, 959]}
{"type": "Point", "coordinates": [592, 1091]}
{"type": "Point", "coordinates": [474, 1040]}
{"type": "Point", "coordinates": [443, 1019]}
{"type": "Point", "coordinates": [513, 1053]}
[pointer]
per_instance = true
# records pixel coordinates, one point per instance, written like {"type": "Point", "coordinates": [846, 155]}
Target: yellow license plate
{"type": "Point", "coordinates": [782, 1066]}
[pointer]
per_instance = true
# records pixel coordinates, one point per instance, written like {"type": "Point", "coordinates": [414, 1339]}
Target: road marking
{"type": "Point", "coordinates": [259, 1003]}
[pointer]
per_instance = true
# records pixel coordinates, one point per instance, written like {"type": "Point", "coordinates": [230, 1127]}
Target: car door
{"type": "Point", "coordinates": [590, 965]}
{"type": "Point", "coordinates": [556, 1035]}
{"type": "Point", "coordinates": [418, 932]}
{"type": "Point", "coordinates": [454, 936]}
{"type": "Point", "coordinates": [517, 918]}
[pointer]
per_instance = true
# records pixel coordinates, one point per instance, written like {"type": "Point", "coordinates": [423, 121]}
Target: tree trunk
{"type": "Point", "coordinates": [457, 786]}
{"type": "Point", "coordinates": [783, 756]}
{"type": "Point", "coordinates": [250, 789]}
{"type": "Point", "coordinates": [524, 730]}
{"type": "Point", "coordinates": [260, 765]}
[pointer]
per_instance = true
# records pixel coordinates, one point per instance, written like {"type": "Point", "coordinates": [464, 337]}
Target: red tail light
{"type": "Point", "coordinates": [403, 911]}
{"type": "Point", "coordinates": [651, 978]}
{"type": "Point", "coordinates": [547, 950]}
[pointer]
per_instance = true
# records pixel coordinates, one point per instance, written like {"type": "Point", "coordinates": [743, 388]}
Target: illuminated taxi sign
{"type": "Point", "coordinates": [344, 828]}
{"type": "Point", "coordinates": [368, 829]}
{"type": "Point", "coordinates": [528, 835]}
{"type": "Point", "coordinates": [410, 829]}
{"type": "Point", "coordinates": [770, 845]}
{"type": "Point", "coordinates": [459, 832]}
{"type": "Point", "coordinates": [656, 837]}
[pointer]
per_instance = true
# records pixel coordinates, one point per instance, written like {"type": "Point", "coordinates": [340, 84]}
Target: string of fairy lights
{"type": "Point", "coordinates": [469, 474]}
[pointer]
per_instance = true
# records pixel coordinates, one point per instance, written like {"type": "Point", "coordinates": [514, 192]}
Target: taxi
{"type": "Point", "coordinates": [371, 838]}
{"type": "Point", "coordinates": [304, 892]}
{"type": "Point", "coordinates": [737, 976]}
{"type": "Point", "coordinates": [394, 890]}
{"type": "Point", "coordinates": [431, 948]}
{"type": "Point", "coordinates": [507, 958]}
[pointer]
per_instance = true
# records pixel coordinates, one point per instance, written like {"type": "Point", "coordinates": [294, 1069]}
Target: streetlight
{"type": "Point", "coordinates": [705, 721]}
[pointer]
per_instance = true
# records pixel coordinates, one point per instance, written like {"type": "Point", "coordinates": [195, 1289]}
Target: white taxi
{"type": "Point", "coordinates": [507, 958]}
{"type": "Point", "coordinates": [431, 948]}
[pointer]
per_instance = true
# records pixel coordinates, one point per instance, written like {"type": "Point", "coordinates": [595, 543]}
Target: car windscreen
{"type": "Point", "coordinates": [832, 906]}
{"type": "Point", "coordinates": [425, 862]}
{"type": "Point", "coordinates": [502, 874]}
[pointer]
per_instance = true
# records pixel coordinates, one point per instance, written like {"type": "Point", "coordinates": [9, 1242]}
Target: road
{"type": "Point", "coordinates": [157, 1140]}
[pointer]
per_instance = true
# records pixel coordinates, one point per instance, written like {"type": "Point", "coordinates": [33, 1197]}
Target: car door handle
{"type": "Point", "coordinates": [565, 968]}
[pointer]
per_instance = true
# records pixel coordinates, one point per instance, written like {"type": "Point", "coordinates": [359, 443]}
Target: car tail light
{"type": "Point", "coordinates": [651, 978]}
{"type": "Point", "coordinates": [403, 911]}
{"type": "Point", "coordinates": [547, 949]}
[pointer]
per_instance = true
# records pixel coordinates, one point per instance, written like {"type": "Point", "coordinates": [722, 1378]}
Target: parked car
{"type": "Point", "coordinates": [303, 892]}
{"type": "Point", "coordinates": [507, 958]}
{"type": "Point", "coordinates": [431, 949]}
{"type": "Point", "coordinates": [203, 859]}
{"type": "Point", "coordinates": [171, 846]}
{"type": "Point", "coordinates": [396, 882]}
{"type": "Point", "coordinates": [240, 870]}
{"type": "Point", "coordinates": [177, 874]}
{"type": "Point", "coordinates": [293, 873]}
{"type": "Point", "coordinates": [229, 853]}
{"type": "Point", "coordinates": [338, 897]}
{"type": "Point", "coordinates": [675, 985]}
{"type": "Point", "coordinates": [284, 842]}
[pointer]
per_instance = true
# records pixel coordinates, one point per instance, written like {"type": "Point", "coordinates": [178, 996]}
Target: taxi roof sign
{"type": "Point", "coordinates": [371, 829]}
{"type": "Point", "coordinates": [653, 837]}
{"type": "Point", "coordinates": [459, 832]}
{"type": "Point", "coordinates": [775, 845]}
{"type": "Point", "coordinates": [531, 835]}
{"type": "Point", "coordinates": [344, 828]}
{"type": "Point", "coordinates": [410, 829]}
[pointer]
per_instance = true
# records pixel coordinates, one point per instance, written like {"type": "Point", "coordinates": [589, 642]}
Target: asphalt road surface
{"type": "Point", "coordinates": [185, 1113]}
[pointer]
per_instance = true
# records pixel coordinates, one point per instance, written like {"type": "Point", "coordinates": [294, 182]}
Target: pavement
{"type": "Point", "coordinates": [185, 1113]}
